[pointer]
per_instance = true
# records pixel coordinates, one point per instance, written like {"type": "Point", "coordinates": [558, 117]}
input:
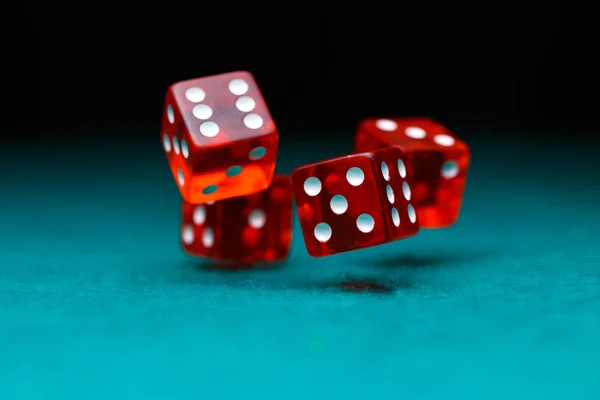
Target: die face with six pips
{"type": "Point", "coordinates": [219, 137]}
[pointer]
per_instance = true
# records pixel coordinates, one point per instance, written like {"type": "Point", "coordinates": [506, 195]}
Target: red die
{"type": "Point", "coordinates": [437, 163]}
{"type": "Point", "coordinates": [219, 137]}
{"type": "Point", "coordinates": [252, 228]}
{"type": "Point", "coordinates": [354, 201]}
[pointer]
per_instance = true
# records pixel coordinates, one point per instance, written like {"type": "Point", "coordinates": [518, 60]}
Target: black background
{"type": "Point", "coordinates": [72, 67]}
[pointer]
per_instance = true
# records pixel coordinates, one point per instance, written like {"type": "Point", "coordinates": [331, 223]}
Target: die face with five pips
{"type": "Point", "coordinates": [355, 201]}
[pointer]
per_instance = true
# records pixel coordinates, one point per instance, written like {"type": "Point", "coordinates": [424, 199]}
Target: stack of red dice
{"type": "Point", "coordinates": [221, 143]}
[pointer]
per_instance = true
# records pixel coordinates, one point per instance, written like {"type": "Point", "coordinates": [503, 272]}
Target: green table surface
{"type": "Point", "coordinates": [97, 301]}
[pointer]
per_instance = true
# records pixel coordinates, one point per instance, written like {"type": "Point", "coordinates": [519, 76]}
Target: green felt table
{"type": "Point", "coordinates": [98, 301]}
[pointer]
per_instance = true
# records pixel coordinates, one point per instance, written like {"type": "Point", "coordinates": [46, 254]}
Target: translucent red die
{"type": "Point", "coordinates": [246, 229]}
{"type": "Point", "coordinates": [355, 201]}
{"type": "Point", "coordinates": [437, 163]}
{"type": "Point", "coordinates": [219, 137]}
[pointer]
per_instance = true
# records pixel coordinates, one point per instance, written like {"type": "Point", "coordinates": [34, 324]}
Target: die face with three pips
{"type": "Point", "coordinates": [437, 163]}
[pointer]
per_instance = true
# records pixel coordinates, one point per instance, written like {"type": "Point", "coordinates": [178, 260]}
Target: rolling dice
{"type": "Point", "coordinates": [219, 137]}
{"type": "Point", "coordinates": [355, 201]}
{"type": "Point", "coordinates": [248, 229]}
{"type": "Point", "coordinates": [437, 163]}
